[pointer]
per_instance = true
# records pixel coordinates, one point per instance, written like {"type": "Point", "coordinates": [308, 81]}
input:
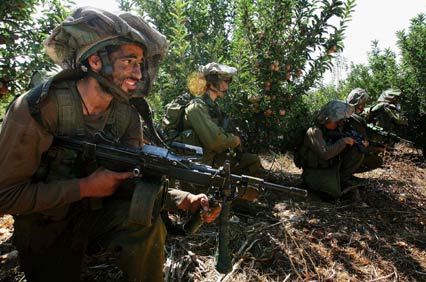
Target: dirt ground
{"type": "Point", "coordinates": [299, 239]}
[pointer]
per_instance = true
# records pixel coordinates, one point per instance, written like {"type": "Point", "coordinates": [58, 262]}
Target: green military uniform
{"type": "Point", "coordinates": [386, 113]}
{"type": "Point", "coordinates": [372, 159]}
{"type": "Point", "coordinates": [53, 225]}
{"type": "Point", "coordinates": [39, 184]}
{"type": "Point", "coordinates": [329, 164]}
{"type": "Point", "coordinates": [358, 97]}
{"type": "Point", "coordinates": [203, 123]}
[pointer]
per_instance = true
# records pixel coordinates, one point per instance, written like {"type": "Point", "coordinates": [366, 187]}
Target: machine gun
{"type": "Point", "coordinates": [161, 162]}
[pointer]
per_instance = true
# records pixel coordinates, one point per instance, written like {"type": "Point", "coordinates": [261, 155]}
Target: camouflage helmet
{"type": "Point", "coordinates": [222, 72]}
{"type": "Point", "coordinates": [357, 96]}
{"type": "Point", "coordinates": [90, 30]}
{"type": "Point", "coordinates": [390, 96]}
{"type": "Point", "coordinates": [334, 111]}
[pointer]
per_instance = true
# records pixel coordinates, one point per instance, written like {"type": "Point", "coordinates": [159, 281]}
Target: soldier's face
{"type": "Point", "coordinates": [360, 108]}
{"type": "Point", "coordinates": [223, 87]}
{"type": "Point", "coordinates": [126, 63]}
{"type": "Point", "coordinates": [331, 125]}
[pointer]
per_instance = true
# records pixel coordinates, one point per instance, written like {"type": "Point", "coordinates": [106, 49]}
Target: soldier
{"type": "Point", "coordinates": [62, 204]}
{"type": "Point", "coordinates": [386, 113]}
{"type": "Point", "coordinates": [204, 122]}
{"type": "Point", "coordinates": [358, 97]}
{"type": "Point", "coordinates": [328, 164]}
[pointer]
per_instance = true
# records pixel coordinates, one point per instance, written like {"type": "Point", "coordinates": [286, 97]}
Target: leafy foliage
{"type": "Point", "coordinates": [383, 72]}
{"type": "Point", "coordinates": [413, 71]}
{"type": "Point", "coordinates": [380, 74]}
{"type": "Point", "coordinates": [281, 48]}
{"type": "Point", "coordinates": [24, 24]}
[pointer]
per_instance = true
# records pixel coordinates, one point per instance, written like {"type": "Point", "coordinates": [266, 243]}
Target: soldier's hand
{"type": "Point", "coordinates": [349, 141]}
{"type": "Point", "coordinates": [381, 149]}
{"type": "Point", "coordinates": [239, 141]}
{"type": "Point", "coordinates": [101, 183]}
{"type": "Point", "coordinates": [365, 143]}
{"type": "Point", "coordinates": [200, 202]}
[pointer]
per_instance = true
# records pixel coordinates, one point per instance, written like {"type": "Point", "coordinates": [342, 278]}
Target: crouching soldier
{"type": "Point", "coordinates": [358, 97]}
{"type": "Point", "coordinates": [328, 163]}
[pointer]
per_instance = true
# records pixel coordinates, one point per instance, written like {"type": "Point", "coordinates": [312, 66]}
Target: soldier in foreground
{"type": "Point", "coordinates": [329, 164]}
{"type": "Point", "coordinates": [62, 202]}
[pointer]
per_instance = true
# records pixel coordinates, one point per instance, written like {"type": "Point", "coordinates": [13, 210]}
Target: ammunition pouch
{"type": "Point", "coordinates": [147, 201]}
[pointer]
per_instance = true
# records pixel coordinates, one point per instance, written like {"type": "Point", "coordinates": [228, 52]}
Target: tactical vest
{"type": "Point", "coordinates": [214, 111]}
{"type": "Point", "coordinates": [70, 113]}
{"type": "Point", "coordinates": [188, 136]}
{"type": "Point", "coordinates": [59, 164]}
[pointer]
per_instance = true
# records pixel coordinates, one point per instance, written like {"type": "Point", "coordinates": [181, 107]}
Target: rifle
{"type": "Point", "coordinates": [336, 135]}
{"type": "Point", "coordinates": [230, 126]}
{"type": "Point", "coordinates": [160, 161]}
{"type": "Point", "coordinates": [388, 136]}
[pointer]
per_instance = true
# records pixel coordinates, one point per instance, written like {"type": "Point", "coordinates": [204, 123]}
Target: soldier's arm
{"type": "Point", "coordinates": [22, 143]}
{"type": "Point", "coordinates": [213, 137]}
{"type": "Point", "coordinates": [395, 116]}
{"type": "Point", "coordinates": [317, 143]}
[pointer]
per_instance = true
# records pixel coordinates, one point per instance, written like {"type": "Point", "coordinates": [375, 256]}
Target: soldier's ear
{"type": "Point", "coordinates": [95, 62]}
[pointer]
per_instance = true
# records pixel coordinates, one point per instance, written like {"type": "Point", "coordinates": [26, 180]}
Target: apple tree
{"type": "Point", "coordinates": [280, 48]}
{"type": "Point", "coordinates": [24, 24]}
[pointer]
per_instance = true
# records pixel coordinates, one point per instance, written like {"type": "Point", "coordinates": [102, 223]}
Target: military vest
{"type": "Point", "coordinates": [59, 164]}
{"type": "Point", "coordinates": [188, 136]}
{"type": "Point", "coordinates": [214, 110]}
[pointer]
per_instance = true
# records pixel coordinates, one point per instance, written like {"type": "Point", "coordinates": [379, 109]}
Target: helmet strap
{"type": "Point", "coordinates": [106, 64]}
{"type": "Point", "coordinates": [115, 91]}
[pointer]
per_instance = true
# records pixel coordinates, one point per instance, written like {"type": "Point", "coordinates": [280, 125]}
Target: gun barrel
{"type": "Point", "coordinates": [286, 189]}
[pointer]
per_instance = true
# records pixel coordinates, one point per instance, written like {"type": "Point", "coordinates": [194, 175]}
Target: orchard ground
{"type": "Point", "coordinates": [296, 239]}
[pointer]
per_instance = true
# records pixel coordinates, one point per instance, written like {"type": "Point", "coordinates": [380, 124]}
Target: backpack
{"type": "Point", "coordinates": [172, 122]}
{"type": "Point", "coordinates": [299, 150]}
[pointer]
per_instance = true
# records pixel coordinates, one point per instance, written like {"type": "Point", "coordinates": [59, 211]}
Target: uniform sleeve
{"type": "Point", "coordinates": [174, 198]}
{"type": "Point", "coordinates": [394, 115]}
{"type": "Point", "coordinates": [213, 137]}
{"type": "Point", "coordinates": [315, 141]}
{"type": "Point", "coordinates": [22, 143]}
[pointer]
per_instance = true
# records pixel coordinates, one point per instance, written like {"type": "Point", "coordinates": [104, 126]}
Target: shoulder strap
{"type": "Point", "coordinates": [34, 98]}
{"type": "Point", "coordinates": [214, 110]}
{"type": "Point", "coordinates": [70, 113]}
